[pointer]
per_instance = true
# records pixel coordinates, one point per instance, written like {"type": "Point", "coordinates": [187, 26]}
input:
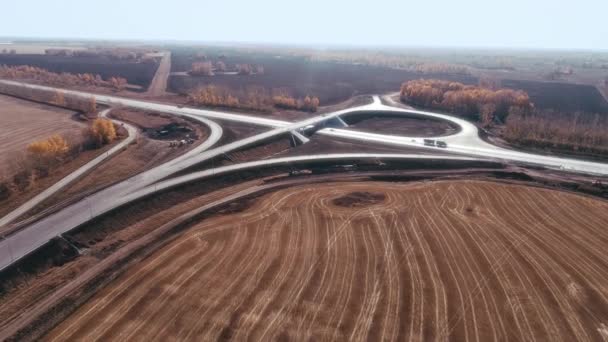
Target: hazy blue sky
{"type": "Point", "coordinates": [477, 23]}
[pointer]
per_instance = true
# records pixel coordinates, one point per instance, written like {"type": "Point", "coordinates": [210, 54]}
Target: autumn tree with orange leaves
{"type": "Point", "coordinates": [101, 132]}
{"type": "Point", "coordinates": [477, 103]}
{"type": "Point", "coordinates": [53, 147]}
{"type": "Point", "coordinates": [44, 154]}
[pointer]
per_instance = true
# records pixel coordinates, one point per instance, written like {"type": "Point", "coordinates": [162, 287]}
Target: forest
{"type": "Point", "coordinates": [515, 116]}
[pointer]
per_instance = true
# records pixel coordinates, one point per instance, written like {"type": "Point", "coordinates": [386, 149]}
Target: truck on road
{"type": "Point", "coordinates": [429, 142]}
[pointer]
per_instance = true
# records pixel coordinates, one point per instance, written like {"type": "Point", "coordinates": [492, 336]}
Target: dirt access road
{"type": "Point", "coordinates": [158, 86]}
{"type": "Point", "coordinates": [448, 260]}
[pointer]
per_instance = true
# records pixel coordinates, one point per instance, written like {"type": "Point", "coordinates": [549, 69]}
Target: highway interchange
{"type": "Point", "coordinates": [464, 145]}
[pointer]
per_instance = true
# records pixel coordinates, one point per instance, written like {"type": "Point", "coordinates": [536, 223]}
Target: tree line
{"type": "Point", "coordinates": [511, 110]}
{"type": "Point", "coordinates": [207, 68]}
{"type": "Point", "coordinates": [122, 54]}
{"type": "Point", "coordinates": [411, 63]}
{"type": "Point", "coordinates": [251, 98]}
{"type": "Point", "coordinates": [26, 72]}
{"type": "Point", "coordinates": [57, 98]}
{"type": "Point", "coordinates": [476, 103]}
{"type": "Point", "coordinates": [578, 132]}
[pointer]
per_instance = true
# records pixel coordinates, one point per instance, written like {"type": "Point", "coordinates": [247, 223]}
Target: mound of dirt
{"type": "Point", "coordinates": [172, 131]}
{"type": "Point", "coordinates": [359, 199]}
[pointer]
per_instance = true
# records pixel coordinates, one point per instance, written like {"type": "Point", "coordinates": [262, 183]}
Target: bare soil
{"type": "Point", "coordinates": [266, 150]}
{"type": "Point", "coordinates": [562, 97]}
{"type": "Point", "coordinates": [320, 144]}
{"type": "Point", "coordinates": [113, 232]}
{"type": "Point", "coordinates": [400, 125]}
{"type": "Point", "coordinates": [359, 199]}
{"type": "Point", "coordinates": [450, 260]}
{"type": "Point", "coordinates": [160, 126]}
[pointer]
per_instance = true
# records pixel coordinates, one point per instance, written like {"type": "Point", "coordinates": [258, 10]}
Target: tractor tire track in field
{"type": "Point", "coordinates": [446, 260]}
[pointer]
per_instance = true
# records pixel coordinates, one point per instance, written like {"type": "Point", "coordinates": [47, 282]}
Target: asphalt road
{"type": "Point", "coordinates": [214, 135]}
{"type": "Point", "coordinates": [158, 85]}
{"type": "Point", "coordinates": [30, 238]}
{"type": "Point", "coordinates": [465, 143]}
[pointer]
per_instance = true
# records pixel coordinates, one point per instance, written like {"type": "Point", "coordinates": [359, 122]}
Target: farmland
{"type": "Point", "coordinates": [284, 194]}
{"type": "Point", "coordinates": [140, 73]}
{"type": "Point", "coordinates": [562, 97]}
{"type": "Point", "coordinates": [331, 82]}
{"type": "Point", "coordinates": [335, 80]}
{"type": "Point", "coordinates": [458, 260]}
{"type": "Point", "coordinates": [25, 121]}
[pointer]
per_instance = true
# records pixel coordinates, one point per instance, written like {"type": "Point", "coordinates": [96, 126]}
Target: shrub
{"type": "Point", "coordinates": [5, 190]}
{"type": "Point", "coordinates": [23, 179]}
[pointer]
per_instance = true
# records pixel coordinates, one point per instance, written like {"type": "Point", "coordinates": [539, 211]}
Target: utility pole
{"type": "Point", "coordinates": [10, 250]}
{"type": "Point", "coordinates": [90, 208]}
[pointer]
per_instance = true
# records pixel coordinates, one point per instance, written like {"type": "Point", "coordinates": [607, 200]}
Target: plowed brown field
{"type": "Point", "coordinates": [458, 260]}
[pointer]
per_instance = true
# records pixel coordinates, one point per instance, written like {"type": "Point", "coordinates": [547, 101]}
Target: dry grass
{"type": "Point", "coordinates": [25, 121]}
{"type": "Point", "coordinates": [459, 260]}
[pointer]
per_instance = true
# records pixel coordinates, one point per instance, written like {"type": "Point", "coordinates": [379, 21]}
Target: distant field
{"type": "Point", "coordinates": [334, 82]}
{"type": "Point", "coordinates": [331, 82]}
{"type": "Point", "coordinates": [23, 122]}
{"type": "Point", "coordinates": [136, 73]}
{"type": "Point", "coordinates": [459, 260]}
{"type": "Point", "coordinates": [562, 97]}
{"type": "Point", "coordinates": [35, 49]}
